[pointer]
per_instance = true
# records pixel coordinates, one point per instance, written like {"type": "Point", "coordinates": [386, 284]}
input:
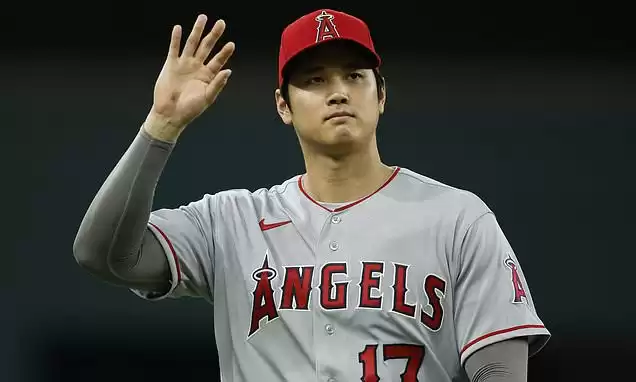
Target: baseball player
{"type": "Point", "coordinates": [352, 271]}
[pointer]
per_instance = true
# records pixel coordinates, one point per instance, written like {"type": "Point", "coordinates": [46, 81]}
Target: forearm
{"type": "Point", "coordinates": [112, 230]}
{"type": "Point", "coordinates": [504, 361]}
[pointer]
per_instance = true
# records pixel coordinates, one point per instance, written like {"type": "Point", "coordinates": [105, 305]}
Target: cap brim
{"type": "Point", "coordinates": [372, 57]}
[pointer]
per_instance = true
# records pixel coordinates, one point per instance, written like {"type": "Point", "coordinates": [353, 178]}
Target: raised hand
{"type": "Point", "coordinates": [187, 85]}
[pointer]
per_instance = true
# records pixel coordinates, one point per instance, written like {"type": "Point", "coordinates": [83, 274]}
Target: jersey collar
{"type": "Point", "coordinates": [348, 205]}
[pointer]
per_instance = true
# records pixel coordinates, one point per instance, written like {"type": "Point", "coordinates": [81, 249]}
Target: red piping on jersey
{"type": "Point", "coordinates": [502, 331]}
{"type": "Point", "coordinates": [342, 208]}
{"type": "Point", "coordinates": [174, 253]}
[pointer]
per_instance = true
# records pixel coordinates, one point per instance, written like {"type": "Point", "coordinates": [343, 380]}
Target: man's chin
{"type": "Point", "coordinates": [339, 140]}
{"type": "Point", "coordinates": [341, 137]}
{"type": "Point", "coordinates": [340, 144]}
{"type": "Point", "coordinates": [339, 133]}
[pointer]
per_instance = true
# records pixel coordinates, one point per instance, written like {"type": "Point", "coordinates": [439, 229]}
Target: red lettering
{"type": "Point", "coordinates": [296, 288]}
{"type": "Point", "coordinates": [399, 292]}
{"type": "Point", "coordinates": [337, 300]}
{"type": "Point", "coordinates": [368, 282]}
{"type": "Point", "coordinates": [369, 360]}
{"type": "Point", "coordinates": [263, 305]}
{"type": "Point", "coordinates": [413, 354]}
{"type": "Point", "coordinates": [432, 284]}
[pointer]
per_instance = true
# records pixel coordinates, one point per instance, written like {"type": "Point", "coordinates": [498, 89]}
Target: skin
{"type": "Point", "coordinates": [340, 153]}
{"type": "Point", "coordinates": [190, 80]}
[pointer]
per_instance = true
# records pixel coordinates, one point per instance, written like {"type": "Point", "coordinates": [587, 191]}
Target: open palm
{"type": "Point", "coordinates": [187, 85]}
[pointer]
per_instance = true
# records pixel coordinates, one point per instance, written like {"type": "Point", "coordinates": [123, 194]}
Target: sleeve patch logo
{"type": "Point", "coordinates": [517, 285]}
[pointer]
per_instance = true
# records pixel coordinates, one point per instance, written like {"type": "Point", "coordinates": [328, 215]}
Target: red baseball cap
{"type": "Point", "coordinates": [321, 26]}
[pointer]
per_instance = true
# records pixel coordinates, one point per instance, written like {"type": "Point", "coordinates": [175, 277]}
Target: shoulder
{"type": "Point", "coordinates": [438, 197]}
{"type": "Point", "coordinates": [258, 198]}
{"type": "Point", "coordinates": [449, 210]}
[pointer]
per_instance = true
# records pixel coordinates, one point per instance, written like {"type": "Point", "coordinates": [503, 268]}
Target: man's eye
{"type": "Point", "coordinates": [356, 75]}
{"type": "Point", "coordinates": [314, 80]}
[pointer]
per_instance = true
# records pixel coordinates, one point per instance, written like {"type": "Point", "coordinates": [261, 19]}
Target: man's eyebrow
{"type": "Point", "coordinates": [313, 69]}
{"type": "Point", "coordinates": [317, 68]}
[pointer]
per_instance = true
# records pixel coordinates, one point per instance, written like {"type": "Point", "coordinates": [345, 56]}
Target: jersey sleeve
{"type": "Point", "coordinates": [492, 301]}
{"type": "Point", "coordinates": [186, 235]}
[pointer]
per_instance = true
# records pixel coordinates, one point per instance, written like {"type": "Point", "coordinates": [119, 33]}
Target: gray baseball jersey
{"type": "Point", "coordinates": [402, 285]}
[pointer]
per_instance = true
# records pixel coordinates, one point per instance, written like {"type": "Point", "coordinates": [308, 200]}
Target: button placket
{"type": "Point", "coordinates": [333, 245]}
{"type": "Point", "coordinates": [328, 251]}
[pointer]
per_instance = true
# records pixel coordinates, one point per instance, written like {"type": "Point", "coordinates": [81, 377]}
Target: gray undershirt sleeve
{"type": "Point", "coordinates": [505, 361]}
{"type": "Point", "coordinates": [113, 241]}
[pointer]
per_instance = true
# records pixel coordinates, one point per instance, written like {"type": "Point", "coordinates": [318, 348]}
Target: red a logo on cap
{"type": "Point", "coordinates": [326, 28]}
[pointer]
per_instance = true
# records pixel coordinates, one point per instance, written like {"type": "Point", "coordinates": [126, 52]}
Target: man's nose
{"type": "Point", "coordinates": [338, 97]}
{"type": "Point", "coordinates": [339, 93]}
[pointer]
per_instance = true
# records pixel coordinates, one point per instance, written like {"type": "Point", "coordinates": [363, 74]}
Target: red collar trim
{"type": "Point", "coordinates": [342, 208]}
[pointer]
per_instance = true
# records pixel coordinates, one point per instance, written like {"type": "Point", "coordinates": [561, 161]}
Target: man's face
{"type": "Point", "coordinates": [333, 98]}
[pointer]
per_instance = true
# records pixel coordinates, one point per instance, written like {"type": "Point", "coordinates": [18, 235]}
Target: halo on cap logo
{"type": "Point", "coordinates": [326, 28]}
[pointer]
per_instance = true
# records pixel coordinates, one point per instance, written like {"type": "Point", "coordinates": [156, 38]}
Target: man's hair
{"type": "Point", "coordinates": [379, 81]}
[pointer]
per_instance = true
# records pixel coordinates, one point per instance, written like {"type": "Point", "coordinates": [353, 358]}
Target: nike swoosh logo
{"type": "Point", "coordinates": [265, 226]}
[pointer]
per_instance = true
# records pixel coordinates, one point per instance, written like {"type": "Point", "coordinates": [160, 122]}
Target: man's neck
{"type": "Point", "coordinates": [344, 179]}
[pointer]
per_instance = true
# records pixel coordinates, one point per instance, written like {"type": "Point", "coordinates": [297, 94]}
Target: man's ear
{"type": "Point", "coordinates": [283, 108]}
{"type": "Point", "coordinates": [382, 97]}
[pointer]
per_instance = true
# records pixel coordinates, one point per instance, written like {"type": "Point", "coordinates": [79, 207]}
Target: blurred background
{"type": "Point", "coordinates": [531, 106]}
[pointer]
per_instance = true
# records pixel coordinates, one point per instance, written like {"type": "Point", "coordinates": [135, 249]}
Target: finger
{"type": "Point", "coordinates": [216, 85]}
{"type": "Point", "coordinates": [210, 40]}
{"type": "Point", "coordinates": [195, 36]}
{"type": "Point", "coordinates": [221, 58]}
{"type": "Point", "coordinates": [175, 42]}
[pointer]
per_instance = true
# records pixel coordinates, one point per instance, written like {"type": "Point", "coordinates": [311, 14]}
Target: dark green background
{"type": "Point", "coordinates": [532, 107]}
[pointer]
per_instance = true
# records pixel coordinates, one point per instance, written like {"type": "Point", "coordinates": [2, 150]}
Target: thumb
{"type": "Point", "coordinates": [216, 85]}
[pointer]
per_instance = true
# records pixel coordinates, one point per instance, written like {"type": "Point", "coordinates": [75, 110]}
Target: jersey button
{"type": "Point", "coordinates": [329, 329]}
{"type": "Point", "coordinates": [333, 246]}
{"type": "Point", "coordinates": [331, 379]}
{"type": "Point", "coordinates": [335, 219]}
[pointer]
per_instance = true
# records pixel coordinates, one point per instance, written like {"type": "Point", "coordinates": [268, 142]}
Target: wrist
{"type": "Point", "coordinates": [161, 129]}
